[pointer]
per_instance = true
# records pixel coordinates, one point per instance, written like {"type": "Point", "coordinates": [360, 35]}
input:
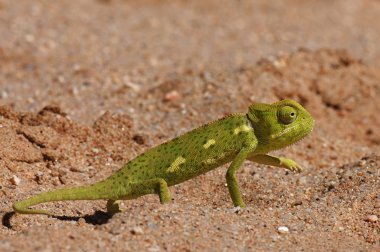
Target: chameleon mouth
{"type": "Point", "coordinates": [307, 129]}
{"type": "Point", "coordinates": [281, 133]}
{"type": "Point", "coordinates": [296, 133]}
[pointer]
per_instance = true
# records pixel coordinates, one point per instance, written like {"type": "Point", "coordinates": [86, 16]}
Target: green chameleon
{"type": "Point", "coordinates": [234, 138]}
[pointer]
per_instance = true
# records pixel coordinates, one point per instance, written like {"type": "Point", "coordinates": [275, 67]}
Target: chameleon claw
{"type": "Point", "coordinates": [299, 169]}
{"type": "Point", "coordinates": [296, 168]}
{"type": "Point", "coordinates": [291, 165]}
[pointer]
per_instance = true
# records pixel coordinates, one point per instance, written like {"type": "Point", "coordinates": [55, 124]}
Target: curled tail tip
{"type": "Point", "coordinates": [19, 208]}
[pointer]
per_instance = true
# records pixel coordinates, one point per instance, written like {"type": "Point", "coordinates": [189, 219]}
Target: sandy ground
{"type": "Point", "coordinates": [87, 85]}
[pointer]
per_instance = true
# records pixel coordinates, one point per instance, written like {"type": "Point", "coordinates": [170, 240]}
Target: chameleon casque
{"type": "Point", "coordinates": [234, 138]}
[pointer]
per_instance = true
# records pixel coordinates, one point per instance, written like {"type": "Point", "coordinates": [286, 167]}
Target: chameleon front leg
{"type": "Point", "coordinates": [232, 183]}
{"type": "Point", "coordinates": [282, 162]}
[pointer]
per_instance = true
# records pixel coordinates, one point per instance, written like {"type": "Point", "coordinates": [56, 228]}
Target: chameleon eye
{"type": "Point", "coordinates": [287, 114]}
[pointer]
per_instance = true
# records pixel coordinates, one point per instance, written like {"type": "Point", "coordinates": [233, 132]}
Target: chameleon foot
{"type": "Point", "coordinates": [290, 164]}
{"type": "Point", "coordinates": [114, 206]}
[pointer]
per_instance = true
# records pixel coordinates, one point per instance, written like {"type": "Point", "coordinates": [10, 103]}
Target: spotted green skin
{"type": "Point", "coordinates": [234, 138]}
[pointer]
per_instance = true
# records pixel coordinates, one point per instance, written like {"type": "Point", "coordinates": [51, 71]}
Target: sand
{"type": "Point", "coordinates": [87, 85]}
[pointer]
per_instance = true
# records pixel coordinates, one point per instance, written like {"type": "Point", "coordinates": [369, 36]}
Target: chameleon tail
{"type": "Point", "coordinates": [90, 192]}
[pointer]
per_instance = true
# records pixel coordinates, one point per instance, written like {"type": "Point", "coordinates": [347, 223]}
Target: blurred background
{"type": "Point", "coordinates": [87, 55]}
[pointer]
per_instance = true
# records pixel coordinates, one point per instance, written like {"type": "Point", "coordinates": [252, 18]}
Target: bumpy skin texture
{"type": "Point", "coordinates": [237, 137]}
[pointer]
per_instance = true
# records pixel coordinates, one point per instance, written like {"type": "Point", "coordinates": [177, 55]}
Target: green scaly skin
{"type": "Point", "coordinates": [234, 138]}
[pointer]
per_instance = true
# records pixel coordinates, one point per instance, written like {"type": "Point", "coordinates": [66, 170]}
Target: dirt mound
{"type": "Point", "coordinates": [52, 144]}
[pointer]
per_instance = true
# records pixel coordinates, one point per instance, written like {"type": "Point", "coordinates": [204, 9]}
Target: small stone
{"type": "Point", "coordinates": [30, 100]}
{"type": "Point", "coordinates": [4, 94]}
{"type": "Point", "coordinates": [154, 248]}
{"type": "Point", "coordinates": [137, 230]}
{"type": "Point", "coordinates": [29, 38]}
{"type": "Point", "coordinates": [117, 230]}
{"type": "Point", "coordinates": [15, 180]}
{"type": "Point", "coordinates": [134, 86]}
{"type": "Point", "coordinates": [279, 63]}
{"type": "Point", "coordinates": [362, 163]}
{"type": "Point", "coordinates": [283, 230]}
{"type": "Point", "coordinates": [372, 218]}
{"type": "Point", "coordinates": [81, 222]}
{"type": "Point", "coordinates": [172, 96]}
{"type": "Point", "coordinates": [61, 79]}
{"type": "Point", "coordinates": [95, 150]}
{"type": "Point", "coordinates": [236, 209]}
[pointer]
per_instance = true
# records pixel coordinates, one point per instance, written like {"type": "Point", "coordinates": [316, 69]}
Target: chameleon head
{"type": "Point", "coordinates": [279, 124]}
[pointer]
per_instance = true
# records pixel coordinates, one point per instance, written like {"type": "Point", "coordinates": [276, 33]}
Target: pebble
{"type": "Point", "coordinates": [15, 180]}
{"type": "Point", "coordinates": [362, 163]}
{"type": "Point", "coordinates": [137, 230]}
{"type": "Point", "coordinates": [29, 38]}
{"type": "Point", "coordinates": [117, 230]}
{"type": "Point", "coordinates": [4, 94]}
{"type": "Point", "coordinates": [134, 86]}
{"type": "Point", "coordinates": [81, 222]}
{"type": "Point", "coordinates": [236, 209]}
{"type": "Point", "coordinates": [279, 63]}
{"type": "Point", "coordinates": [95, 150]}
{"type": "Point", "coordinates": [61, 79]}
{"type": "Point", "coordinates": [372, 218]}
{"type": "Point", "coordinates": [154, 248]}
{"type": "Point", "coordinates": [283, 230]}
{"type": "Point", "coordinates": [172, 95]}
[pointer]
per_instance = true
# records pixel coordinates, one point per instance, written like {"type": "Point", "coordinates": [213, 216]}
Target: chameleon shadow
{"type": "Point", "coordinates": [6, 220]}
{"type": "Point", "coordinates": [98, 218]}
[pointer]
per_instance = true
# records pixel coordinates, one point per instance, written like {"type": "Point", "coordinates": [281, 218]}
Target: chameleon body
{"type": "Point", "coordinates": [234, 138]}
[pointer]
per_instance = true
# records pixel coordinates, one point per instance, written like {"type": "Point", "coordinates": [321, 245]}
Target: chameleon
{"type": "Point", "coordinates": [231, 139]}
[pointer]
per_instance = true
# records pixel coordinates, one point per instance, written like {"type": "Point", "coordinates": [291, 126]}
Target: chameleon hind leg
{"type": "Point", "coordinates": [156, 185]}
